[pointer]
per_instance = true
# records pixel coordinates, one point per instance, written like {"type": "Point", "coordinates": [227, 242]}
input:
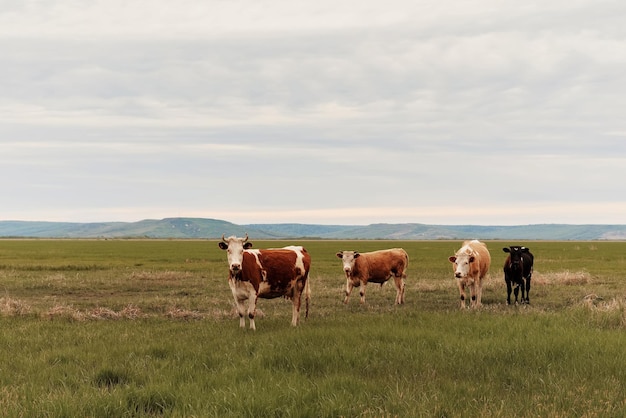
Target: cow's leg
{"type": "Point", "coordinates": [239, 303]}
{"type": "Point", "coordinates": [523, 291]}
{"type": "Point", "coordinates": [528, 289]}
{"type": "Point", "coordinates": [516, 292]}
{"type": "Point", "coordinates": [241, 310]}
{"type": "Point", "coordinates": [400, 285]}
{"type": "Point", "coordinates": [462, 292]}
{"type": "Point", "coordinates": [296, 299]}
{"type": "Point", "coordinates": [362, 291]}
{"type": "Point", "coordinates": [252, 300]}
{"type": "Point", "coordinates": [509, 289]}
{"type": "Point", "coordinates": [473, 287]}
{"type": "Point", "coordinates": [349, 287]}
{"type": "Point", "coordinates": [479, 292]}
{"type": "Point", "coordinates": [307, 295]}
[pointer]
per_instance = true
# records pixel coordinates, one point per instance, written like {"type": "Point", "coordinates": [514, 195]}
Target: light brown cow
{"type": "Point", "coordinates": [471, 264]}
{"type": "Point", "coordinates": [376, 267]}
{"type": "Point", "coordinates": [266, 274]}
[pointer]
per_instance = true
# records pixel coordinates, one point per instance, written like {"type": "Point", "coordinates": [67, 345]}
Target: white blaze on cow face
{"type": "Point", "coordinates": [234, 249]}
{"type": "Point", "coordinates": [348, 258]}
{"type": "Point", "coordinates": [462, 262]}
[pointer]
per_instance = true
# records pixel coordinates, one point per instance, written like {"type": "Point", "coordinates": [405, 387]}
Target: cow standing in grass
{"type": "Point", "coordinates": [471, 264]}
{"type": "Point", "coordinates": [518, 270]}
{"type": "Point", "coordinates": [266, 274]}
{"type": "Point", "coordinates": [376, 267]}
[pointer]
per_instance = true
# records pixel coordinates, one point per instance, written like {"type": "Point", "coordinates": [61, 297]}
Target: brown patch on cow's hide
{"type": "Point", "coordinates": [250, 270]}
{"type": "Point", "coordinates": [280, 269]}
{"type": "Point", "coordinates": [378, 265]}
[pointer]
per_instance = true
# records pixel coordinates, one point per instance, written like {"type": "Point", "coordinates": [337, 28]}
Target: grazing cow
{"type": "Point", "coordinates": [518, 269]}
{"type": "Point", "coordinates": [266, 274]}
{"type": "Point", "coordinates": [376, 267]}
{"type": "Point", "coordinates": [471, 264]}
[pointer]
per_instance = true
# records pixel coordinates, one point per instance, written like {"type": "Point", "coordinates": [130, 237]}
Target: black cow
{"type": "Point", "coordinates": [518, 269]}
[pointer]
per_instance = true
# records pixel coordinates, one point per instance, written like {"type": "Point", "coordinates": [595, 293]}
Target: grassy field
{"type": "Point", "coordinates": [147, 328]}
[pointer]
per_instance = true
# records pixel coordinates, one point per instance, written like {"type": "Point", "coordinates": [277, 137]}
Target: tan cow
{"type": "Point", "coordinates": [376, 267]}
{"type": "Point", "coordinates": [471, 264]}
{"type": "Point", "coordinates": [266, 274]}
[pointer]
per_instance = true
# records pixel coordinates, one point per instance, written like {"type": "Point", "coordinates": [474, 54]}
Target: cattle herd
{"type": "Point", "coordinates": [274, 272]}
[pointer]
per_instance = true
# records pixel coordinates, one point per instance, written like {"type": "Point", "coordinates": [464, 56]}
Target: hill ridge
{"type": "Point", "coordinates": [208, 228]}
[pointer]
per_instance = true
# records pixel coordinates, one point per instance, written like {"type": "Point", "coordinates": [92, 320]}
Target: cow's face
{"type": "Point", "coordinates": [348, 258]}
{"type": "Point", "coordinates": [515, 254]}
{"type": "Point", "coordinates": [461, 263]}
{"type": "Point", "coordinates": [234, 248]}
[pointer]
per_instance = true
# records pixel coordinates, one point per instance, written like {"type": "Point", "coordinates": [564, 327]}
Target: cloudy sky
{"type": "Point", "coordinates": [491, 112]}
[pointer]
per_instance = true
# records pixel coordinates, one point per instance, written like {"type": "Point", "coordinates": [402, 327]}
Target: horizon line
{"type": "Point", "coordinates": [314, 223]}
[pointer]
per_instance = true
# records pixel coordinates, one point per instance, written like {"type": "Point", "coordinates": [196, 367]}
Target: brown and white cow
{"type": "Point", "coordinates": [471, 264]}
{"type": "Point", "coordinates": [267, 274]}
{"type": "Point", "coordinates": [376, 267]}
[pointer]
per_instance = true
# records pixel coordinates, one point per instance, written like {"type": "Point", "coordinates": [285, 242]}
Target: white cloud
{"type": "Point", "coordinates": [313, 110]}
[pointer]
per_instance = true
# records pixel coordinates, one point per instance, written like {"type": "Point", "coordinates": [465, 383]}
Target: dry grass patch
{"type": "Point", "coordinates": [9, 396]}
{"type": "Point", "coordinates": [102, 313]}
{"type": "Point", "coordinates": [566, 277]}
{"type": "Point", "coordinates": [219, 314]}
{"type": "Point", "coordinates": [435, 285]}
{"type": "Point", "coordinates": [131, 312]}
{"type": "Point", "coordinates": [13, 307]}
{"type": "Point", "coordinates": [598, 303]}
{"type": "Point", "coordinates": [99, 313]}
{"type": "Point", "coordinates": [160, 275]}
{"type": "Point", "coordinates": [55, 277]}
{"type": "Point", "coordinates": [606, 311]}
{"type": "Point", "coordinates": [177, 313]}
{"type": "Point", "coordinates": [66, 312]}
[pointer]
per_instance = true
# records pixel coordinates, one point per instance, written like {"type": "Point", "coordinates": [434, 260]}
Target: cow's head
{"type": "Point", "coordinates": [234, 248]}
{"type": "Point", "coordinates": [515, 256]}
{"type": "Point", "coordinates": [348, 258]}
{"type": "Point", "coordinates": [461, 262]}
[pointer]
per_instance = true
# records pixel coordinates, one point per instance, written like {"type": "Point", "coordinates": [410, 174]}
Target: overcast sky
{"type": "Point", "coordinates": [490, 112]}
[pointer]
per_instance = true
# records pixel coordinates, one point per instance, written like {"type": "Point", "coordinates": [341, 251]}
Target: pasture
{"type": "Point", "coordinates": [134, 328]}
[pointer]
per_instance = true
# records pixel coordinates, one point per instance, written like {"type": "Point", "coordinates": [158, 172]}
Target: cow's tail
{"type": "Point", "coordinates": [307, 296]}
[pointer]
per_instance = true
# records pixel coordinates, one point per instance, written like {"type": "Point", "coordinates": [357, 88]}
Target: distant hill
{"type": "Point", "coordinates": [148, 228]}
{"type": "Point", "coordinates": [202, 228]}
{"type": "Point", "coordinates": [414, 231]}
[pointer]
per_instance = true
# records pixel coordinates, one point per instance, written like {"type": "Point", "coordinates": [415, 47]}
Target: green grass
{"type": "Point", "coordinates": [147, 328]}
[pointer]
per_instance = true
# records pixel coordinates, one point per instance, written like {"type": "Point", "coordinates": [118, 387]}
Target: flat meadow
{"type": "Point", "coordinates": [145, 328]}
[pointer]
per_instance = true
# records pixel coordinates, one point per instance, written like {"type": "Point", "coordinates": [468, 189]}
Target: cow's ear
{"type": "Point", "coordinates": [506, 249]}
{"type": "Point", "coordinates": [222, 245]}
{"type": "Point", "coordinates": [452, 259]}
{"type": "Point", "coordinates": [356, 255]}
{"type": "Point", "coordinates": [247, 245]}
{"type": "Point", "coordinates": [472, 258]}
{"type": "Point", "coordinates": [339, 254]}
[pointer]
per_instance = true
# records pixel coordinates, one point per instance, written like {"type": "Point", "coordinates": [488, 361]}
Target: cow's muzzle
{"type": "Point", "coordinates": [458, 275]}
